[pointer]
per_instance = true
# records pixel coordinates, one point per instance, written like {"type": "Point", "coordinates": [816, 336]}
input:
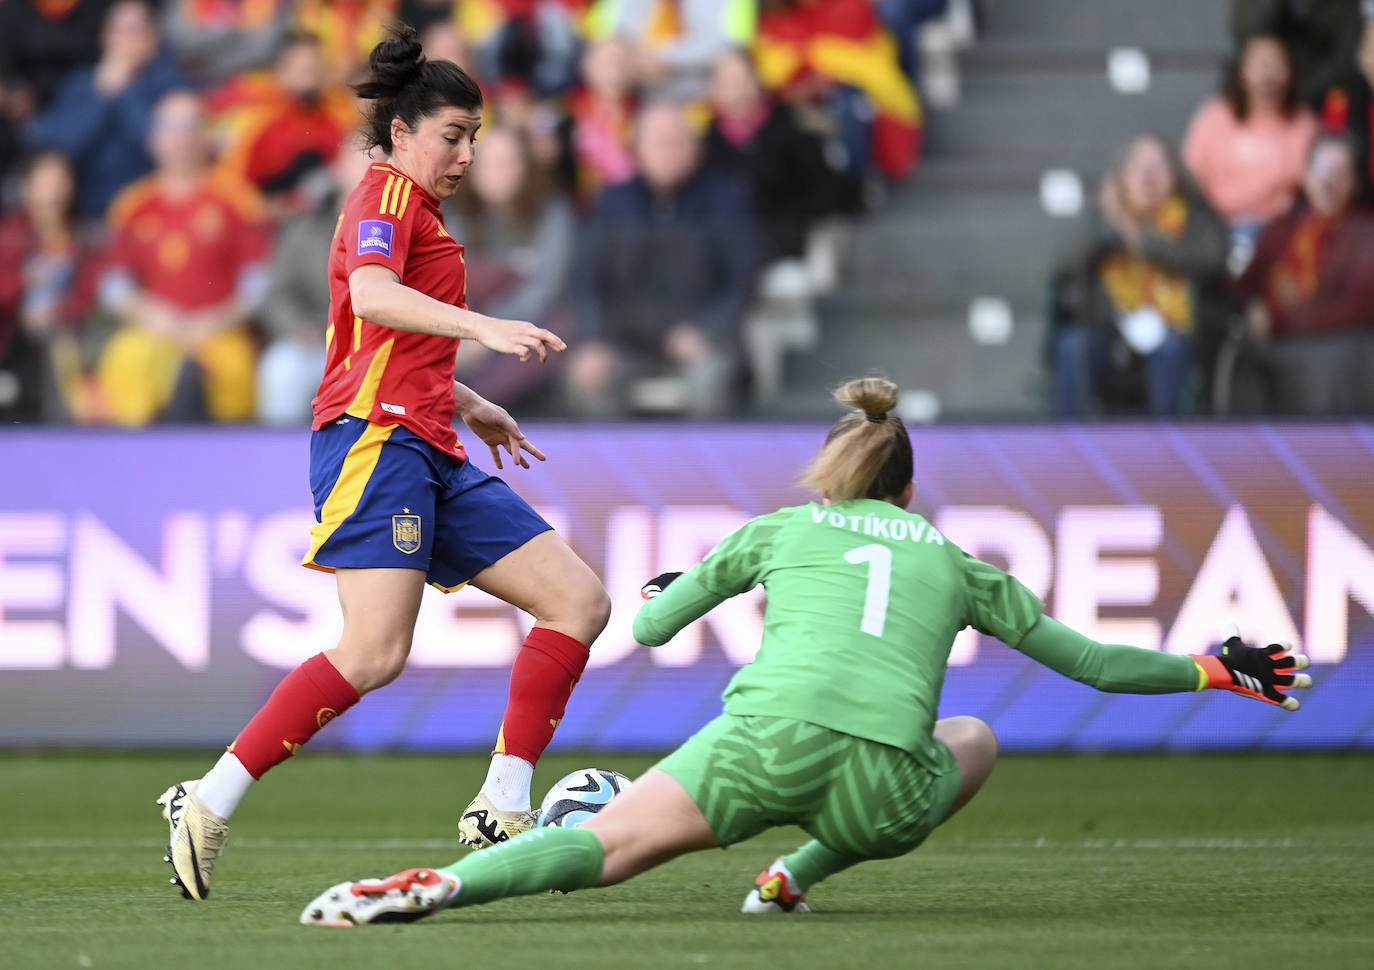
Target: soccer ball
{"type": "Point", "coordinates": [577, 797]}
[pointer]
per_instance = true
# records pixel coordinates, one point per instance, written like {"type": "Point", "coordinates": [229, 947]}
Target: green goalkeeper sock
{"type": "Point", "coordinates": [532, 862]}
{"type": "Point", "coordinates": [814, 862]}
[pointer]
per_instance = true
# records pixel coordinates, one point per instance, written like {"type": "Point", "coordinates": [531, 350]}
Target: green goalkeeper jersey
{"type": "Point", "coordinates": [864, 602]}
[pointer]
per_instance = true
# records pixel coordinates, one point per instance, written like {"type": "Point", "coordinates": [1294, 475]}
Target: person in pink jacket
{"type": "Point", "coordinates": [1247, 148]}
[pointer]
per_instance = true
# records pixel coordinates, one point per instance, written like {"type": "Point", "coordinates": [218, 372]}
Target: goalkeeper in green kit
{"type": "Point", "coordinates": [832, 727]}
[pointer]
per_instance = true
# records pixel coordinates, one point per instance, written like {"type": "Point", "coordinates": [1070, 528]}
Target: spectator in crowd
{"type": "Point", "coordinates": [532, 44]}
{"type": "Point", "coordinates": [296, 130]}
{"type": "Point", "coordinates": [1348, 107]}
{"type": "Point", "coordinates": [758, 140]}
{"type": "Point", "coordinates": [40, 44]}
{"type": "Point", "coordinates": [598, 150]}
{"type": "Point", "coordinates": [217, 39]}
{"type": "Point", "coordinates": [836, 57]}
{"type": "Point", "coordinates": [444, 42]}
{"type": "Point", "coordinates": [295, 312]}
{"type": "Point", "coordinates": [904, 18]}
{"type": "Point", "coordinates": [48, 270]}
{"type": "Point", "coordinates": [421, 14]}
{"type": "Point", "coordinates": [1322, 35]}
{"type": "Point", "coordinates": [101, 115]}
{"type": "Point", "coordinates": [1247, 147]}
{"type": "Point", "coordinates": [1140, 292]}
{"type": "Point", "coordinates": [518, 235]}
{"type": "Point", "coordinates": [1309, 292]}
{"type": "Point", "coordinates": [348, 30]}
{"type": "Point", "coordinates": [188, 268]}
{"type": "Point", "coordinates": [675, 42]}
{"type": "Point", "coordinates": [665, 273]}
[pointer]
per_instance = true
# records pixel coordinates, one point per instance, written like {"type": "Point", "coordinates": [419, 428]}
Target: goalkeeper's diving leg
{"type": "Point", "coordinates": [653, 821]}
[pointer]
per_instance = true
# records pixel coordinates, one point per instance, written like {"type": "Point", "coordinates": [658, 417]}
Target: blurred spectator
{"type": "Point", "coordinates": [187, 269]}
{"type": "Point", "coordinates": [101, 115]}
{"type": "Point", "coordinates": [296, 310]}
{"type": "Point", "coordinates": [904, 18]}
{"type": "Point", "coordinates": [783, 167]}
{"type": "Point", "coordinates": [443, 42]}
{"type": "Point", "coordinates": [40, 43]}
{"type": "Point", "coordinates": [1248, 147]}
{"type": "Point", "coordinates": [48, 270]}
{"type": "Point", "coordinates": [518, 235]}
{"type": "Point", "coordinates": [1322, 35]}
{"type": "Point", "coordinates": [348, 30]}
{"type": "Point", "coordinates": [1309, 292]}
{"type": "Point", "coordinates": [533, 44]}
{"type": "Point", "coordinates": [422, 14]}
{"type": "Point", "coordinates": [665, 272]}
{"type": "Point", "coordinates": [675, 42]}
{"type": "Point", "coordinates": [216, 39]}
{"type": "Point", "coordinates": [1138, 292]}
{"type": "Point", "coordinates": [295, 130]}
{"type": "Point", "coordinates": [597, 133]}
{"type": "Point", "coordinates": [836, 55]}
{"type": "Point", "coordinates": [1348, 107]}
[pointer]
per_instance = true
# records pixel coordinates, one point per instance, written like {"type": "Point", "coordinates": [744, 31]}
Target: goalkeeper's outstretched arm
{"type": "Point", "coordinates": [1261, 674]}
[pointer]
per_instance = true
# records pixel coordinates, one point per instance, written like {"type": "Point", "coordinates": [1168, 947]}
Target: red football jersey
{"type": "Point", "coordinates": [188, 250]}
{"type": "Point", "coordinates": [373, 372]}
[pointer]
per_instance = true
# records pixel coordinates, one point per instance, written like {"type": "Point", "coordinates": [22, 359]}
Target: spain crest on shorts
{"type": "Point", "coordinates": [405, 532]}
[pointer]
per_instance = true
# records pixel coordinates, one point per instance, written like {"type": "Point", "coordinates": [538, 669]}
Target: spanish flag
{"type": "Point", "coordinates": [843, 41]}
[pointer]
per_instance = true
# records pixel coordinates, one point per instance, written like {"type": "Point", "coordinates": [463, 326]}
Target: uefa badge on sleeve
{"type": "Point", "coordinates": [405, 533]}
{"type": "Point", "coordinates": [374, 236]}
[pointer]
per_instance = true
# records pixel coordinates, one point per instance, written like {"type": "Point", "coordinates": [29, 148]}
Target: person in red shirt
{"type": "Point", "coordinates": [1309, 291]}
{"type": "Point", "coordinates": [187, 268]}
{"type": "Point", "coordinates": [49, 266]}
{"type": "Point", "coordinates": [397, 502]}
{"type": "Point", "coordinates": [296, 130]}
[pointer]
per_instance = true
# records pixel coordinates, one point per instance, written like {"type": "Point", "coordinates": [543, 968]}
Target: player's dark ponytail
{"type": "Point", "coordinates": [867, 453]}
{"type": "Point", "coordinates": [403, 83]}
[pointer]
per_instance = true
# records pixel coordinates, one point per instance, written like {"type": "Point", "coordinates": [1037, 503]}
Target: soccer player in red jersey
{"type": "Point", "coordinates": [396, 500]}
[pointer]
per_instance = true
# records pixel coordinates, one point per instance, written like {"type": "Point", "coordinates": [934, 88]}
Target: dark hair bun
{"type": "Point", "coordinates": [393, 64]}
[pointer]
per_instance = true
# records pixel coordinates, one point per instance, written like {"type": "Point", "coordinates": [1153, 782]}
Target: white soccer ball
{"type": "Point", "coordinates": [578, 796]}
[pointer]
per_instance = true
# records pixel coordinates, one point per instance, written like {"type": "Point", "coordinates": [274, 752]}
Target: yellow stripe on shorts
{"type": "Point", "coordinates": [358, 466]}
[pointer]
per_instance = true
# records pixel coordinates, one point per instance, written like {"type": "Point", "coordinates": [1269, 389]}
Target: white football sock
{"type": "Point", "coordinates": [224, 785]}
{"type": "Point", "coordinates": [508, 783]}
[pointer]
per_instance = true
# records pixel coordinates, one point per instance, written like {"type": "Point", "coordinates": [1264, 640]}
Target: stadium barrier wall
{"type": "Point", "coordinates": [150, 592]}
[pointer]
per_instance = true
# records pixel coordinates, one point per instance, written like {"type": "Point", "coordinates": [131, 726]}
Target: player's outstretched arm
{"type": "Point", "coordinates": [669, 608]}
{"type": "Point", "coordinates": [380, 297]}
{"type": "Point", "coordinates": [1264, 674]}
{"type": "Point", "coordinates": [1120, 669]}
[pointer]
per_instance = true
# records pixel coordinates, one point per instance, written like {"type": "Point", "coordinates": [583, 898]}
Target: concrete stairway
{"type": "Point", "coordinates": [1035, 96]}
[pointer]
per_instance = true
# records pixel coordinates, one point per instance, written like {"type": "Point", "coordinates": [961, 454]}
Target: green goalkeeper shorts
{"type": "Point", "coordinates": [858, 797]}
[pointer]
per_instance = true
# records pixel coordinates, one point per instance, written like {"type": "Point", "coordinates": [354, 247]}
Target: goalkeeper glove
{"type": "Point", "coordinates": [657, 585]}
{"type": "Point", "coordinates": [1263, 674]}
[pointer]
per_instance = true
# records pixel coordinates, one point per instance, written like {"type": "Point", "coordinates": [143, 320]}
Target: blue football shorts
{"type": "Point", "coordinates": [386, 498]}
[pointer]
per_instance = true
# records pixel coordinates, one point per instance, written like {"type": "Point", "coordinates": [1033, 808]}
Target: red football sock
{"type": "Point", "coordinates": [306, 700]}
{"type": "Point", "coordinates": [546, 669]}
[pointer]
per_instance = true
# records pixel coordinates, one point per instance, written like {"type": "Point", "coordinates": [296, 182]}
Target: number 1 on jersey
{"type": "Point", "coordinates": [879, 559]}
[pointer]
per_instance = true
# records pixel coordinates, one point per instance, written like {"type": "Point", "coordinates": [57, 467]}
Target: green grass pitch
{"type": "Point", "coordinates": [1062, 862]}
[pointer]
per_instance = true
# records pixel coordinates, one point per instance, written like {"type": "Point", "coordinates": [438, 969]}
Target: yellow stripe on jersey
{"type": "Point", "coordinates": [357, 334]}
{"type": "Point", "coordinates": [358, 466]}
{"type": "Point", "coordinates": [366, 397]}
{"type": "Point", "coordinates": [328, 336]}
{"type": "Point", "coordinates": [405, 200]}
{"type": "Point", "coordinates": [386, 194]}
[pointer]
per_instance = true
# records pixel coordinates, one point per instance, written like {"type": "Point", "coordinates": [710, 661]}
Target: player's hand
{"type": "Point", "coordinates": [657, 585]}
{"type": "Point", "coordinates": [517, 337]}
{"type": "Point", "coordinates": [1262, 674]}
{"type": "Point", "coordinates": [497, 429]}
